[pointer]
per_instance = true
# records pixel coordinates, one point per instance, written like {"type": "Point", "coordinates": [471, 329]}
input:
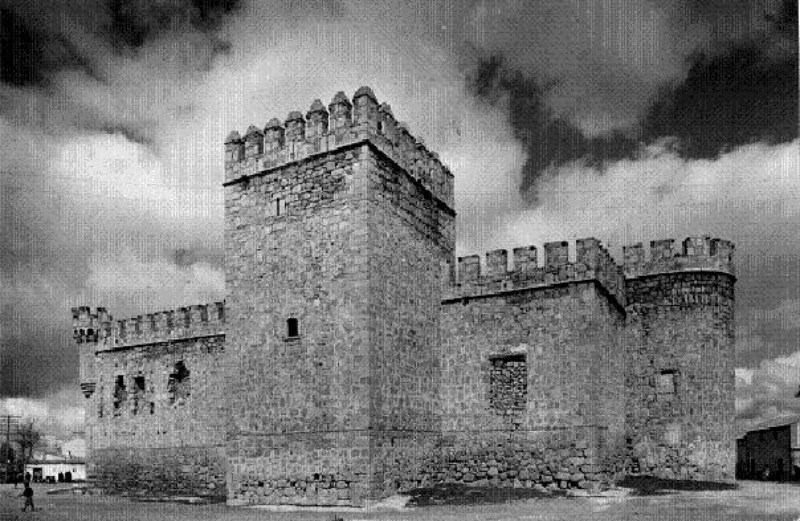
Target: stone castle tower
{"type": "Point", "coordinates": [355, 356]}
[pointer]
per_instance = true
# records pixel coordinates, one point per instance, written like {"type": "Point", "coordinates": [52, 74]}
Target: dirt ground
{"type": "Point", "coordinates": [750, 501]}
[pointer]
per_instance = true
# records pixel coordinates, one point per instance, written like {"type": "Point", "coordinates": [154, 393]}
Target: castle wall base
{"type": "Point", "coordinates": [176, 471]}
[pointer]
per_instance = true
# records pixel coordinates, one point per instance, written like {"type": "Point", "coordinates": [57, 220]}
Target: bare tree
{"type": "Point", "coordinates": [30, 438]}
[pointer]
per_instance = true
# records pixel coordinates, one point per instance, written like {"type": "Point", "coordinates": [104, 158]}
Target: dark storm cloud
{"type": "Point", "coordinates": [737, 87]}
{"type": "Point", "coordinates": [85, 87]}
{"type": "Point", "coordinates": [549, 139]}
{"type": "Point", "coordinates": [739, 97]}
{"type": "Point", "coordinates": [134, 22]}
{"type": "Point", "coordinates": [29, 55]}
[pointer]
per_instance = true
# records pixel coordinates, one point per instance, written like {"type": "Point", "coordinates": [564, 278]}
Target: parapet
{"type": "Point", "coordinates": [325, 130]}
{"type": "Point", "coordinates": [592, 262]}
{"type": "Point", "coordinates": [695, 254]}
{"type": "Point", "coordinates": [184, 322]}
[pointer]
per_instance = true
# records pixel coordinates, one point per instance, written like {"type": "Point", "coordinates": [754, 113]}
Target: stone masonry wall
{"type": "Point", "coordinates": [569, 336]}
{"type": "Point", "coordinates": [680, 411]}
{"type": "Point", "coordinates": [410, 237]}
{"type": "Point", "coordinates": [351, 361]}
{"type": "Point", "coordinates": [300, 405]}
{"type": "Point", "coordinates": [154, 428]}
{"type": "Point", "coordinates": [346, 231]}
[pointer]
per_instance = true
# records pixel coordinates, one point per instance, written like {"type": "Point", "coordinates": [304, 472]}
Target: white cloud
{"type": "Point", "coordinates": [59, 414]}
{"type": "Point", "coordinates": [768, 391]}
{"type": "Point", "coordinates": [748, 195]}
{"type": "Point", "coordinates": [140, 285]}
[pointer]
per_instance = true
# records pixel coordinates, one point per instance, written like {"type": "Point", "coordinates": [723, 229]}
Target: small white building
{"type": "Point", "coordinates": [49, 467]}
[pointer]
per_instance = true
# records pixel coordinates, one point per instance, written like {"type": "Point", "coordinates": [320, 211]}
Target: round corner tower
{"type": "Point", "coordinates": [680, 360]}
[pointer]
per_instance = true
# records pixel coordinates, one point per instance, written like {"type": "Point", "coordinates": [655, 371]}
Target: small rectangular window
{"type": "Point", "coordinates": [665, 383]}
{"type": "Point", "coordinates": [120, 395]}
{"type": "Point", "coordinates": [138, 393]}
{"type": "Point", "coordinates": [508, 386]}
{"type": "Point", "coordinates": [292, 328]}
{"type": "Point", "coordinates": [179, 384]}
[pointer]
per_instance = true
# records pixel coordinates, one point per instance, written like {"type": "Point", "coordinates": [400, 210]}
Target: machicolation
{"type": "Point", "coordinates": [355, 356]}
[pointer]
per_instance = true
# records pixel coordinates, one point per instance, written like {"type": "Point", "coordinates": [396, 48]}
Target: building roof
{"type": "Point", "coordinates": [56, 462]}
{"type": "Point", "coordinates": [773, 423]}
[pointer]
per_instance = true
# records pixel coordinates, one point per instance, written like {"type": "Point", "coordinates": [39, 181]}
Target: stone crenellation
{"type": "Point", "coordinates": [696, 253]}
{"type": "Point", "coordinates": [184, 322]}
{"type": "Point", "coordinates": [592, 262]}
{"type": "Point", "coordinates": [321, 131]}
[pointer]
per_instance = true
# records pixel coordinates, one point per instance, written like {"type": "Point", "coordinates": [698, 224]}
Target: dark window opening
{"type": "Point", "coordinates": [179, 385]}
{"type": "Point", "coordinates": [279, 207]}
{"type": "Point", "coordinates": [508, 387]}
{"type": "Point", "coordinates": [89, 333]}
{"type": "Point", "coordinates": [120, 395]}
{"type": "Point", "coordinates": [292, 328]}
{"type": "Point", "coordinates": [665, 383]}
{"type": "Point", "coordinates": [138, 393]}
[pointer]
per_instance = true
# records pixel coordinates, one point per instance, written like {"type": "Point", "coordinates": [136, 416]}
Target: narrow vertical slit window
{"type": "Point", "coordinates": [292, 328]}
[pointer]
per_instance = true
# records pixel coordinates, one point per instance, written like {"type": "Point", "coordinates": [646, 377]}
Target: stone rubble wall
{"type": "Point", "coordinates": [681, 324]}
{"type": "Point", "coordinates": [149, 441]}
{"type": "Point", "coordinates": [300, 405]}
{"type": "Point", "coordinates": [161, 471]}
{"type": "Point", "coordinates": [569, 336]}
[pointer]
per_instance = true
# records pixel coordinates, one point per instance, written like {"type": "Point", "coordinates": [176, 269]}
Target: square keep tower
{"type": "Point", "coordinates": [339, 230]}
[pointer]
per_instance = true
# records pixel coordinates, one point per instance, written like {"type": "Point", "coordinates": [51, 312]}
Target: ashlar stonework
{"type": "Point", "coordinates": [355, 356]}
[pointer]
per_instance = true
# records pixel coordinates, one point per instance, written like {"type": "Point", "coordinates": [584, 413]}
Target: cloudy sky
{"type": "Point", "coordinates": [627, 120]}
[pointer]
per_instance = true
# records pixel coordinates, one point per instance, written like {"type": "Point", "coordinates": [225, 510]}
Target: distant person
{"type": "Point", "coordinates": [28, 495]}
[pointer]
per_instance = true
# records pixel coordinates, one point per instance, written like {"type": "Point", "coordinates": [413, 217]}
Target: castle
{"type": "Point", "coordinates": [354, 357]}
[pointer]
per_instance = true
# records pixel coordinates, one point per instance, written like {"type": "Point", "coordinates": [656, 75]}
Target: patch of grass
{"type": "Point", "coordinates": [650, 486]}
{"type": "Point", "coordinates": [460, 494]}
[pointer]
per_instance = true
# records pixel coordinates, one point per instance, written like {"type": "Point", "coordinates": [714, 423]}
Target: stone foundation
{"type": "Point", "coordinates": [161, 472]}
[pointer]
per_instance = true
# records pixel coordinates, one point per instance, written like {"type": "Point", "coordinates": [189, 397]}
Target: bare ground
{"type": "Point", "coordinates": [750, 501]}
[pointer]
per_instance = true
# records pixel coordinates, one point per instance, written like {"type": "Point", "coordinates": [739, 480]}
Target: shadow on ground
{"type": "Point", "coordinates": [458, 494]}
{"type": "Point", "coordinates": [647, 486]}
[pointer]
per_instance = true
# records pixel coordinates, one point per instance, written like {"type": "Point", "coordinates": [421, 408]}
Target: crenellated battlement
{"type": "Point", "coordinates": [190, 321]}
{"type": "Point", "coordinates": [592, 262]}
{"type": "Point", "coordinates": [694, 254]}
{"type": "Point", "coordinates": [324, 130]}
